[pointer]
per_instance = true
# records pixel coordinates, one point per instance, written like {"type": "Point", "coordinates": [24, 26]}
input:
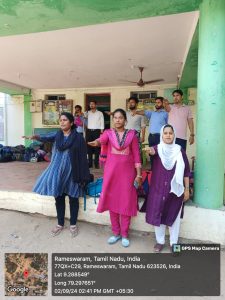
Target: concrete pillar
{"type": "Point", "coordinates": [27, 119]}
{"type": "Point", "coordinates": [210, 156]}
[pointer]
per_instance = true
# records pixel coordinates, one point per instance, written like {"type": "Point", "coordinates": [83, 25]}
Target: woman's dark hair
{"type": "Point", "coordinates": [120, 110]}
{"type": "Point", "coordinates": [70, 117]}
{"type": "Point", "coordinates": [178, 92]}
{"type": "Point", "coordinates": [78, 106]}
{"type": "Point", "coordinates": [168, 126]}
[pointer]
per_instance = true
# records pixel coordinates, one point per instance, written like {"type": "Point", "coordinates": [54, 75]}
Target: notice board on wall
{"type": "Point", "coordinates": [52, 110]}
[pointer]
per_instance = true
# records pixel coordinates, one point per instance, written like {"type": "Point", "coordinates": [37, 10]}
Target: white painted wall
{"type": "Point", "coordinates": [15, 120]}
{"type": "Point", "coordinates": [3, 118]}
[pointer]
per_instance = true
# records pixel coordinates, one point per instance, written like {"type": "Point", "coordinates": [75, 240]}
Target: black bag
{"type": "Point", "coordinates": [18, 152]}
{"type": "Point", "coordinates": [29, 153]}
{"type": "Point", "coordinates": [6, 154]}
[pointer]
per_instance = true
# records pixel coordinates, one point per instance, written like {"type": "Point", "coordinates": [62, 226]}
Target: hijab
{"type": "Point", "coordinates": [171, 155]}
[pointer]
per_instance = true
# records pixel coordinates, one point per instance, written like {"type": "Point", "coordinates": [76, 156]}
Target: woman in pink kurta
{"type": "Point", "coordinates": [122, 169]}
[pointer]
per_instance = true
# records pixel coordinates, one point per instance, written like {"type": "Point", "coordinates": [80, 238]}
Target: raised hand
{"type": "Point", "coordinates": [94, 143]}
{"type": "Point", "coordinates": [33, 137]}
{"type": "Point", "coordinates": [191, 140]}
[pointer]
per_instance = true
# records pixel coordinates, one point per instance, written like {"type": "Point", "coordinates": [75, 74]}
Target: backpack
{"type": "Point", "coordinates": [93, 189]}
{"type": "Point", "coordinates": [18, 152]}
{"type": "Point", "coordinates": [6, 154]}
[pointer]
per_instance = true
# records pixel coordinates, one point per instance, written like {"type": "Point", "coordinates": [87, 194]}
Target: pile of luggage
{"type": "Point", "coordinates": [33, 153]}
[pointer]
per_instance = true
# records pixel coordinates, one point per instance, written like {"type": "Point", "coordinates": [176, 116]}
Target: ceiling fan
{"type": "Point", "coordinates": [141, 82]}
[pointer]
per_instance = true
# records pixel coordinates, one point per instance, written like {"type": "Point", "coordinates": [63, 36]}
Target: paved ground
{"type": "Point", "coordinates": [30, 233]}
{"type": "Point", "coordinates": [22, 232]}
{"type": "Point", "coordinates": [21, 176]}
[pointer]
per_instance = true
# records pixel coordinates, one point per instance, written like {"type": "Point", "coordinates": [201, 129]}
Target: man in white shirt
{"type": "Point", "coordinates": [95, 126]}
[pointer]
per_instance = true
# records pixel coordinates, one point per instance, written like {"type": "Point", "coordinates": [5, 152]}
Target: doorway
{"type": "Point", "coordinates": [103, 104]}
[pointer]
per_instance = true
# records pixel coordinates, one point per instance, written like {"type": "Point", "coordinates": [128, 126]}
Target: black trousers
{"type": "Point", "coordinates": [153, 140]}
{"type": "Point", "coordinates": [61, 207]}
{"type": "Point", "coordinates": [182, 143]}
{"type": "Point", "coordinates": [91, 135]}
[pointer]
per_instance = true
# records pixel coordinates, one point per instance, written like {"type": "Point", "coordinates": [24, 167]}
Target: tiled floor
{"type": "Point", "coordinates": [21, 176]}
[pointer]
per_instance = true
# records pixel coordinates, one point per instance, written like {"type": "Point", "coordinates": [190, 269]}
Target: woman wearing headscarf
{"type": "Point", "coordinates": [120, 152]}
{"type": "Point", "coordinates": [67, 173]}
{"type": "Point", "coordinates": [169, 187]}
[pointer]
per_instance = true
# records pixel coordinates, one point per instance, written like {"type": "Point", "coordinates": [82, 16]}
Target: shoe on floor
{"type": "Point", "coordinates": [73, 230]}
{"type": "Point", "coordinates": [57, 230]}
{"type": "Point", "coordinates": [158, 247]}
{"type": "Point", "coordinates": [125, 242]}
{"type": "Point", "coordinates": [113, 239]}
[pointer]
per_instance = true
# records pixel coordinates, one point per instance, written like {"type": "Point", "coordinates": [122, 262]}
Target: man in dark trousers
{"type": "Point", "coordinates": [95, 126]}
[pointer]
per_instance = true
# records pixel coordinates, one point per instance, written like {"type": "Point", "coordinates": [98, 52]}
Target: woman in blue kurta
{"type": "Point", "coordinates": [169, 187]}
{"type": "Point", "coordinates": [67, 173]}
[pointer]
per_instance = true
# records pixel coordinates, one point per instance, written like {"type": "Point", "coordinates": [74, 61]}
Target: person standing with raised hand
{"type": "Point", "coordinates": [122, 172]}
{"type": "Point", "coordinates": [67, 172]}
{"type": "Point", "coordinates": [180, 116]}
